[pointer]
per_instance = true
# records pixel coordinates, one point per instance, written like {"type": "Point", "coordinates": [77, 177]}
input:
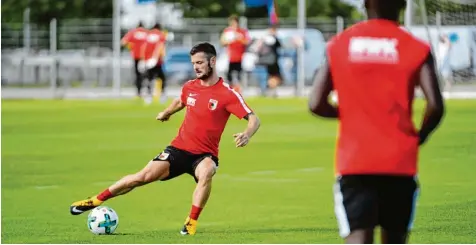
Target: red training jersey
{"type": "Point", "coordinates": [135, 38]}
{"type": "Point", "coordinates": [208, 110]}
{"type": "Point", "coordinates": [154, 38]}
{"type": "Point", "coordinates": [375, 66]}
{"type": "Point", "coordinates": [236, 48]}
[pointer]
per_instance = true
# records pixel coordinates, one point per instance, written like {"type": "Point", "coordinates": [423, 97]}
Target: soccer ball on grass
{"type": "Point", "coordinates": [103, 220]}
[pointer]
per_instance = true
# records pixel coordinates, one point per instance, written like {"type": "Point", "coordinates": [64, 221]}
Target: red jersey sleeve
{"type": "Point", "coordinates": [127, 37]}
{"type": "Point", "coordinates": [246, 34]}
{"type": "Point", "coordinates": [237, 105]}
{"type": "Point", "coordinates": [183, 94]}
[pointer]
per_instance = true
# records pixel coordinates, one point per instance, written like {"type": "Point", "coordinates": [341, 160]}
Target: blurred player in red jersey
{"type": "Point", "coordinates": [235, 39]}
{"type": "Point", "coordinates": [134, 40]}
{"type": "Point", "coordinates": [209, 102]}
{"type": "Point", "coordinates": [374, 67]}
{"type": "Point", "coordinates": [153, 53]}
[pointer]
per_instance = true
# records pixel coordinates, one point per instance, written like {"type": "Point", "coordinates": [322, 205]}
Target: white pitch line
{"type": "Point", "coordinates": [264, 172]}
{"type": "Point", "coordinates": [43, 187]}
{"type": "Point", "coordinates": [310, 169]}
{"type": "Point", "coordinates": [242, 179]}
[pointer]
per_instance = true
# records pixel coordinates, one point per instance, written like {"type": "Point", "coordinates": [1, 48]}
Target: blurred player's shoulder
{"type": "Point", "coordinates": [352, 30]}
{"type": "Point", "coordinates": [417, 40]}
{"type": "Point", "coordinates": [377, 27]}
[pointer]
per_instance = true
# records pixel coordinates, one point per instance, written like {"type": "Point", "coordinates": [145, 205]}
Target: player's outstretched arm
{"type": "Point", "coordinates": [142, 50]}
{"type": "Point", "coordinates": [242, 139]}
{"type": "Point", "coordinates": [319, 98]}
{"type": "Point", "coordinates": [223, 40]}
{"type": "Point", "coordinates": [434, 110]}
{"type": "Point", "coordinates": [174, 107]}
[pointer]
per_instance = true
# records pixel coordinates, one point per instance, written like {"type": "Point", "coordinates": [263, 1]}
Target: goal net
{"type": "Point", "coordinates": [450, 27]}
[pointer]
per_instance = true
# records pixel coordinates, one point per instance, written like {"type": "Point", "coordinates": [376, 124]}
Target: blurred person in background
{"type": "Point", "coordinates": [235, 39]}
{"type": "Point", "coordinates": [267, 49]}
{"type": "Point", "coordinates": [153, 53]}
{"type": "Point", "coordinates": [443, 60]}
{"type": "Point", "coordinates": [133, 40]}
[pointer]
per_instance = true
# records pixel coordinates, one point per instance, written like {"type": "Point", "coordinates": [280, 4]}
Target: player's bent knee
{"type": "Point", "coordinates": [205, 170]}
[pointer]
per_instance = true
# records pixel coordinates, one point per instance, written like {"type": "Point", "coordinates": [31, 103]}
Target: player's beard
{"type": "Point", "coordinates": [208, 74]}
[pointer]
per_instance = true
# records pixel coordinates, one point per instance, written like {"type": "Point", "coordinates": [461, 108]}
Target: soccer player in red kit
{"type": "Point", "coordinates": [154, 49]}
{"type": "Point", "coordinates": [374, 67]}
{"type": "Point", "coordinates": [235, 39]}
{"type": "Point", "coordinates": [134, 40]}
{"type": "Point", "coordinates": [208, 102]}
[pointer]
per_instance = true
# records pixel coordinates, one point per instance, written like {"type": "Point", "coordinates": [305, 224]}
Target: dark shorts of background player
{"type": "Point", "coordinates": [139, 76]}
{"type": "Point", "coordinates": [232, 67]}
{"type": "Point", "coordinates": [182, 162]}
{"type": "Point", "coordinates": [157, 72]}
{"type": "Point", "coordinates": [273, 70]}
{"type": "Point", "coordinates": [367, 201]}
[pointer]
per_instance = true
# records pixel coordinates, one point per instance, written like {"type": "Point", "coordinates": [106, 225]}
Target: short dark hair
{"type": "Point", "coordinates": [157, 26]}
{"type": "Point", "coordinates": [206, 48]}
{"type": "Point", "coordinates": [391, 9]}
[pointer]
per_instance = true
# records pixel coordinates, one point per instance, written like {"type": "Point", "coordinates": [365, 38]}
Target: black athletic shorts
{"type": "Point", "coordinates": [235, 66]}
{"type": "Point", "coordinates": [273, 70]}
{"type": "Point", "coordinates": [182, 162]}
{"type": "Point", "coordinates": [156, 72]}
{"type": "Point", "coordinates": [367, 201]}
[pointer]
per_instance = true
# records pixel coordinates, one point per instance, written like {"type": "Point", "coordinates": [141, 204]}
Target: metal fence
{"type": "Point", "coordinates": [87, 33]}
{"type": "Point", "coordinates": [78, 53]}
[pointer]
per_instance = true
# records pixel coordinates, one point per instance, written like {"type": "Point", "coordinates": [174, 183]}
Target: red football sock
{"type": "Point", "coordinates": [104, 195]}
{"type": "Point", "coordinates": [195, 212]}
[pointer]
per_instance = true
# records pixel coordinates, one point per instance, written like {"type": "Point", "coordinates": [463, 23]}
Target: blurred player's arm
{"type": "Point", "coordinates": [142, 50]}
{"type": "Point", "coordinates": [125, 41]}
{"type": "Point", "coordinates": [174, 107]}
{"type": "Point", "coordinates": [245, 38]}
{"type": "Point", "coordinates": [159, 50]}
{"type": "Point", "coordinates": [434, 110]}
{"type": "Point", "coordinates": [223, 39]}
{"type": "Point", "coordinates": [319, 97]}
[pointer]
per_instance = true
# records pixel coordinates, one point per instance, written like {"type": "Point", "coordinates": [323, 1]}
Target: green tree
{"type": "Point", "coordinates": [42, 11]}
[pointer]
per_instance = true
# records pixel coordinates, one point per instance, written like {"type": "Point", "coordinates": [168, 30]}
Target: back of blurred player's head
{"type": "Point", "coordinates": [210, 53]}
{"type": "Point", "coordinates": [157, 26]}
{"type": "Point", "coordinates": [140, 24]}
{"type": "Point", "coordinates": [234, 21]}
{"type": "Point", "coordinates": [385, 9]}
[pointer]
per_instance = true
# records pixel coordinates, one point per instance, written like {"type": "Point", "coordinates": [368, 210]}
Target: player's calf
{"type": "Point", "coordinates": [204, 173]}
{"type": "Point", "coordinates": [154, 170]}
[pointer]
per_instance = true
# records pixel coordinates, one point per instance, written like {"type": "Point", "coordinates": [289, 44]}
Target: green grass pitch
{"type": "Point", "coordinates": [278, 189]}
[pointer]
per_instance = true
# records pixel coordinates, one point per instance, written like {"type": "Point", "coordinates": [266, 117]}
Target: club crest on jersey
{"type": "Point", "coordinates": [163, 156]}
{"type": "Point", "coordinates": [191, 101]}
{"type": "Point", "coordinates": [212, 104]}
